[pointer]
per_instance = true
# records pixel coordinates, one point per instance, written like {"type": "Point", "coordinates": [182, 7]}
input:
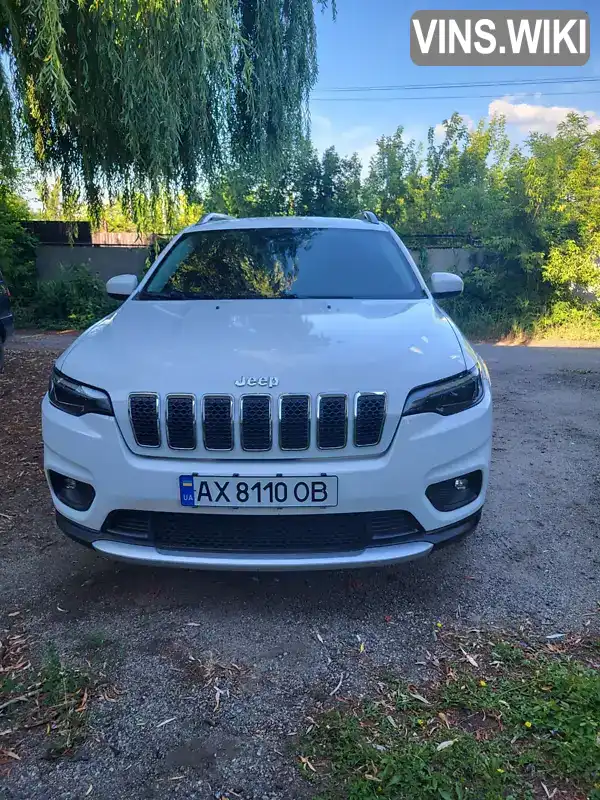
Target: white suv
{"type": "Point", "coordinates": [276, 393]}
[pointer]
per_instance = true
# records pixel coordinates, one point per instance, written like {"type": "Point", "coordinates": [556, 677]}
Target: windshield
{"type": "Point", "coordinates": [249, 263]}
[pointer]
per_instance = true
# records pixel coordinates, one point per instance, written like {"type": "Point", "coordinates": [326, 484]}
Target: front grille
{"type": "Point", "coordinates": [217, 422]}
{"type": "Point", "coordinates": [369, 419]}
{"type": "Point", "coordinates": [332, 421]}
{"type": "Point", "coordinates": [260, 421]}
{"type": "Point", "coordinates": [143, 412]}
{"type": "Point", "coordinates": [255, 422]}
{"type": "Point", "coordinates": [294, 422]}
{"type": "Point", "coordinates": [241, 533]}
{"type": "Point", "coordinates": [181, 422]}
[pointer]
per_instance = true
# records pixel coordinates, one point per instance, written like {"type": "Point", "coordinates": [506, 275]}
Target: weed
{"type": "Point", "coordinates": [95, 640]}
{"type": "Point", "coordinates": [506, 725]}
{"type": "Point", "coordinates": [54, 699]}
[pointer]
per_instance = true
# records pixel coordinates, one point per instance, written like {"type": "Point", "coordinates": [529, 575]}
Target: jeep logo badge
{"type": "Point", "coordinates": [268, 381]}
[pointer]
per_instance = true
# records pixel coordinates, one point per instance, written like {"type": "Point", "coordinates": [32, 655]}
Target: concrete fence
{"type": "Point", "coordinates": [106, 262]}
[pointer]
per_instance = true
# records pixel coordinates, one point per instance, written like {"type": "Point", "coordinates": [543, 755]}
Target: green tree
{"type": "Point", "coordinates": [395, 186]}
{"type": "Point", "coordinates": [147, 96]}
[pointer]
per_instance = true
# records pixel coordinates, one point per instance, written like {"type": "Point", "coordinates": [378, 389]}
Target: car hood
{"type": "Point", "coordinates": [278, 347]}
{"type": "Point", "coordinates": [310, 346]}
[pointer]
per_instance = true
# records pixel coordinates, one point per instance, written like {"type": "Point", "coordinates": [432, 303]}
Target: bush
{"type": "Point", "coordinates": [17, 247]}
{"type": "Point", "coordinates": [75, 300]}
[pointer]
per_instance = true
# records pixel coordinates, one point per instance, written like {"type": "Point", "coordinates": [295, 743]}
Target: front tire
{"type": "Point", "coordinates": [1, 358]}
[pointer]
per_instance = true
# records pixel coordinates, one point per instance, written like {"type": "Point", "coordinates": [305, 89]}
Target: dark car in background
{"type": "Point", "coordinates": [6, 318]}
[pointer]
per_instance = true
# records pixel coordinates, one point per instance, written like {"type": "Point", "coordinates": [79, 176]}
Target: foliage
{"type": "Point", "coordinates": [531, 214]}
{"type": "Point", "coordinates": [17, 247]}
{"type": "Point", "coordinates": [306, 185]}
{"type": "Point", "coordinates": [159, 214]}
{"type": "Point", "coordinates": [76, 299]}
{"type": "Point", "coordinates": [509, 721]}
{"type": "Point", "coordinates": [145, 97]}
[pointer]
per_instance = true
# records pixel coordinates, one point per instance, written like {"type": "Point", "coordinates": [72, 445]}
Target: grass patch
{"type": "Point", "coordinates": [562, 322]}
{"type": "Point", "coordinates": [503, 720]}
{"type": "Point", "coordinates": [52, 700]}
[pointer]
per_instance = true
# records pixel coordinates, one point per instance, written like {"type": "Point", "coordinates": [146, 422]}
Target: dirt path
{"type": "Point", "coordinates": [219, 671]}
{"type": "Point", "coordinates": [42, 340]}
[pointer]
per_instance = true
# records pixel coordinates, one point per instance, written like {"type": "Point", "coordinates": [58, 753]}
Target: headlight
{"type": "Point", "coordinates": [448, 396]}
{"type": "Point", "coordinates": [77, 398]}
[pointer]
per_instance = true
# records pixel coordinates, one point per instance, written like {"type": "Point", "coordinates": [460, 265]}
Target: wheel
{"type": "Point", "coordinates": [1, 358]}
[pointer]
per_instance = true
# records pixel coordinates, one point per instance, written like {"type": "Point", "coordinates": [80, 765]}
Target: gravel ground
{"type": "Point", "coordinates": [268, 648]}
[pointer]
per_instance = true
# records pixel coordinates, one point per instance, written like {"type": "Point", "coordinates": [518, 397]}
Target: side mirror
{"type": "Point", "coordinates": [446, 284]}
{"type": "Point", "coordinates": [121, 286]}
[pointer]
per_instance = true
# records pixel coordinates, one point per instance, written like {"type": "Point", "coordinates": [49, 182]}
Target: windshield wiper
{"type": "Point", "coordinates": [171, 294]}
{"type": "Point", "coordinates": [175, 294]}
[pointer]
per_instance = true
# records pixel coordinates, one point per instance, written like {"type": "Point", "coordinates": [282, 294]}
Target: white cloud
{"type": "Point", "coordinates": [321, 127]}
{"type": "Point", "coordinates": [542, 119]}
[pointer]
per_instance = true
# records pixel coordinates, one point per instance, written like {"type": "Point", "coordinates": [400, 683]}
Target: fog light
{"type": "Point", "coordinates": [75, 494]}
{"type": "Point", "coordinates": [456, 492]}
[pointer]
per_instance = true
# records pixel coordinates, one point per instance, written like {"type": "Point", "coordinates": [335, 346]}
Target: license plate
{"type": "Point", "coordinates": [225, 491]}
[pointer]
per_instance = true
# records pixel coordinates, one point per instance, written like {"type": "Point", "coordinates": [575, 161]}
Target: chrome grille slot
{"type": "Point", "coordinates": [294, 421]}
{"type": "Point", "coordinates": [332, 421]}
{"type": "Point", "coordinates": [145, 420]}
{"type": "Point", "coordinates": [369, 417]}
{"type": "Point", "coordinates": [217, 422]}
{"type": "Point", "coordinates": [181, 421]}
{"type": "Point", "coordinates": [255, 422]}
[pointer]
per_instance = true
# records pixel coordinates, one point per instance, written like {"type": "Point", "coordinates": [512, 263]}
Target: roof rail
{"type": "Point", "coordinates": [368, 216]}
{"type": "Point", "coordinates": [213, 217]}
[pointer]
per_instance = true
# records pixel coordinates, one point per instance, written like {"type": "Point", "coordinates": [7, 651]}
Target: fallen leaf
{"type": "Point", "coordinates": [89, 791]}
{"type": "Point", "coordinates": [166, 722]}
{"type": "Point", "coordinates": [549, 794]}
{"type": "Point", "coordinates": [337, 688]}
{"type": "Point", "coordinates": [64, 610]}
{"type": "Point", "coordinates": [320, 638]}
{"type": "Point", "coordinates": [420, 698]}
{"type": "Point", "coordinates": [307, 763]}
{"type": "Point", "coordinates": [10, 754]}
{"type": "Point", "coordinates": [444, 745]}
{"type": "Point", "coordinates": [469, 658]}
{"type": "Point", "coordinates": [444, 718]}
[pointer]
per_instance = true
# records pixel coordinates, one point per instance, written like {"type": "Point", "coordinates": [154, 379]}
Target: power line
{"type": "Point", "coordinates": [461, 85]}
{"type": "Point", "coordinates": [446, 97]}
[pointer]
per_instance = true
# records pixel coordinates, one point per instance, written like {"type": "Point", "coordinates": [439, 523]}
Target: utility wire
{"type": "Point", "coordinates": [446, 97]}
{"type": "Point", "coordinates": [460, 85]}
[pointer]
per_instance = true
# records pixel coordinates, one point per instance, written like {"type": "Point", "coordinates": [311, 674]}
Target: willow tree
{"type": "Point", "coordinates": [136, 97]}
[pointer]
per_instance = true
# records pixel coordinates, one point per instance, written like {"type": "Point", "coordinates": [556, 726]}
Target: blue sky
{"type": "Point", "coordinates": [368, 45]}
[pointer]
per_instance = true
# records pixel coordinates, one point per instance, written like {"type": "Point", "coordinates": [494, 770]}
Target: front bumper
{"type": "Point", "coordinates": [370, 557]}
{"type": "Point", "coordinates": [426, 449]}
